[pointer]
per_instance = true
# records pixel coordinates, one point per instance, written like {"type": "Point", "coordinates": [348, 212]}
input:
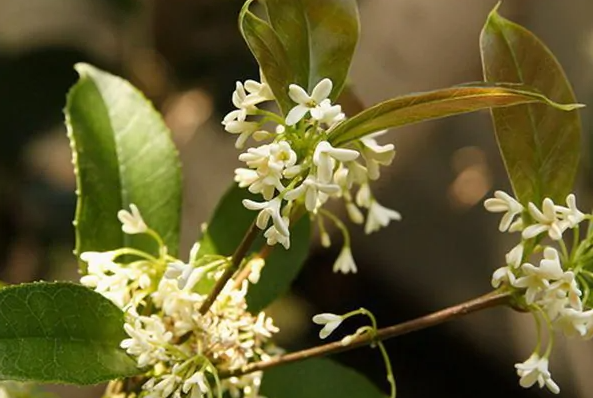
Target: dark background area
{"type": "Point", "coordinates": [187, 54]}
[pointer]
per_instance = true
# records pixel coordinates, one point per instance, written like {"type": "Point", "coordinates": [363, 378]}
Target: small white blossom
{"type": "Point", "coordinates": [574, 323]}
{"type": "Point", "coordinates": [198, 382]}
{"type": "Point", "coordinates": [324, 157]}
{"type": "Point", "coordinates": [379, 216]}
{"type": "Point", "coordinates": [327, 113]}
{"type": "Point", "coordinates": [535, 369]}
{"type": "Point", "coordinates": [364, 198]}
{"type": "Point", "coordinates": [132, 223]}
{"type": "Point", "coordinates": [99, 262]}
{"type": "Point", "coordinates": [255, 267]}
{"type": "Point", "coordinates": [306, 102]}
{"type": "Point", "coordinates": [515, 256]}
{"type": "Point", "coordinates": [571, 213]}
{"type": "Point", "coordinates": [273, 235]}
{"type": "Point", "coordinates": [504, 203]}
{"type": "Point", "coordinates": [375, 154]}
{"type": "Point", "coordinates": [537, 279]}
{"type": "Point", "coordinates": [345, 262]}
{"type": "Point", "coordinates": [310, 189]}
{"type": "Point", "coordinates": [502, 275]}
{"type": "Point", "coordinates": [269, 209]}
{"type": "Point", "coordinates": [546, 220]}
{"type": "Point", "coordinates": [330, 322]}
{"type": "Point", "coordinates": [186, 274]}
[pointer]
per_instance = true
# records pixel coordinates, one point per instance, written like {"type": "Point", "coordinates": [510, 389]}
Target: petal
{"type": "Point", "coordinates": [296, 114]}
{"type": "Point", "coordinates": [533, 230]}
{"type": "Point", "coordinates": [325, 318]}
{"type": "Point", "coordinates": [343, 154]}
{"type": "Point", "coordinates": [322, 90]}
{"type": "Point", "coordinates": [298, 94]}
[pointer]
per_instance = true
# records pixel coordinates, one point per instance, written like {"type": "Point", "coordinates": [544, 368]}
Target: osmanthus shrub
{"type": "Point", "coordinates": [157, 326]}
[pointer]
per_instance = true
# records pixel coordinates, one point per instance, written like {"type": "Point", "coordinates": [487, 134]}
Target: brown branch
{"type": "Point", "coordinates": [238, 256]}
{"type": "Point", "coordinates": [436, 318]}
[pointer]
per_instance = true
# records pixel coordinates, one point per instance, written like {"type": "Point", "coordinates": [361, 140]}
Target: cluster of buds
{"type": "Point", "coordinates": [298, 167]}
{"type": "Point", "coordinates": [556, 290]}
{"type": "Point", "coordinates": [161, 297]}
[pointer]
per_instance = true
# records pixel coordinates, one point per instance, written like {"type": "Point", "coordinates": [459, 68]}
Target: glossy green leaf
{"type": "Point", "coordinates": [540, 145]}
{"type": "Point", "coordinates": [317, 378]}
{"type": "Point", "coordinates": [414, 108]}
{"type": "Point", "coordinates": [123, 154]}
{"type": "Point", "coordinates": [319, 37]}
{"type": "Point", "coordinates": [225, 231]}
{"type": "Point", "coordinates": [61, 333]}
{"type": "Point", "coordinates": [266, 47]}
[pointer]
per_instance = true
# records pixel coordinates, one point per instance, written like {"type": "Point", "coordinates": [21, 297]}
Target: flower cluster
{"type": "Point", "coordinates": [299, 165]}
{"type": "Point", "coordinates": [555, 287]}
{"type": "Point", "coordinates": [161, 297]}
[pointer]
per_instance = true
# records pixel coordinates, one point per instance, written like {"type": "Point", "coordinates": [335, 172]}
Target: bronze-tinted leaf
{"type": "Point", "coordinates": [414, 108]}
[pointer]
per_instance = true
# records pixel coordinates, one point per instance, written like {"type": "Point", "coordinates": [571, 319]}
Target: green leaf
{"type": "Point", "coordinates": [414, 108]}
{"type": "Point", "coordinates": [317, 378]}
{"type": "Point", "coordinates": [266, 47]}
{"type": "Point", "coordinates": [226, 229]}
{"type": "Point", "coordinates": [540, 145]}
{"type": "Point", "coordinates": [319, 37]}
{"type": "Point", "coordinates": [123, 154]}
{"type": "Point", "coordinates": [61, 333]}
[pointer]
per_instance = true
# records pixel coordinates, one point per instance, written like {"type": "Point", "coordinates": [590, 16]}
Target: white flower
{"type": "Point", "coordinates": [196, 381]}
{"type": "Point", "coordinates": [186, 274]}
{"type": "Point", "coordinates": [566, 287]}
{"type": "Point", "coordinates": [310, 188]}
{"type": "Point", "coordinates": [245, 177]}
{"type": "Point", "coordinates": [324, 157]}
{"type": "Point", "coordinates": [258, 92]}
{"type": "Point", "coordinates": [535, 369]}
{"type": "Point", "coordinates": [305, 101]}
{"type": "Point", "coordinates": [269, 209]}
{"type": "Point", "coordinates": [375, 154]}
{"type": "Point", "coordinates": [132, 223]}
{"type": "Point", "coordinates": [244, 128]}
{"type": "Point", "coordinates": [571, 214]}
{"type": "Point", "coordinates": [379, 216]}
{"type": "Point", "coordinates": [255, 265]}
{"type": "Point", "coordinates": [330, 322]}
{"type": "Point", "coordinates": [364, 198]}
{"type": "Point", "coordinates": [515, 256]}
{"type": "Point", "coordinates": [536, 279]}
{"type": "Point", "coordinates": [573, 322]}
{"type": "Point", "coordinates": [327, 113]}
{"type": "Point", "coordinates": [99, 262]}
{"type": "Point", "coordinates": [273, 236]}
{"type": "Point", "coordinates": [504, 203]}
{"type": "Point", "coordinates": [546, 220]}
{"type": "Point", "coordinates": [345, 262]}
{"type": "Point", "coordinates": [502, 275]}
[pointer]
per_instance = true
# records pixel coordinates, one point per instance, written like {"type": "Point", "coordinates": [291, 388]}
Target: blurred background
{"type": "Point", "coordinates": [186, 56]}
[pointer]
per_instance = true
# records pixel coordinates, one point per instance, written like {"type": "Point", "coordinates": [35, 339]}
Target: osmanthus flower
{"type": "Point", "coordinates": [309, 103]}
{"type": "Point", "coordinates": [329, 321]}
{"type": "Point", "coordinates": [132, 222]}
{"type": "Point", "coordinates": [553, 289]}
{"type": "Point", "coordinates": [571, 214]}
{"type": "Point", "coordinates": [379, 216]}
{"type": "Point", "coordinates": [345, 262]}
{"type": "Point", "coordinates": [535, 370]}
{"type": "Point", "coordinates": [297, 166]}
{"type": "Point", "coordinates": [504, 203]}
{"type": "Point", "coordinates": [547, 220]}
{"type": "Point", "coordinates": [376, 155]}
{"type": "Point", "coordinates": [167, 334]}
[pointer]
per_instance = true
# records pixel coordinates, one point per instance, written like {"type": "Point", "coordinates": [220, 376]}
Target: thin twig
{"type": "Point", "coordinates": [238, 256]}
{"type": "Point", "coordinates": [436, 318]}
